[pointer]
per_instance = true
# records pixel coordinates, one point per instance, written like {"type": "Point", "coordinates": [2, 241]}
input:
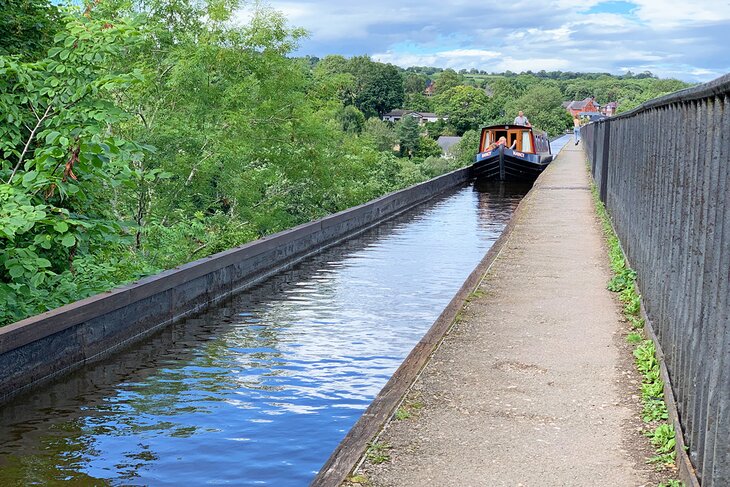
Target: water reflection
{"type": "Point", "coordinates": [261, 389]}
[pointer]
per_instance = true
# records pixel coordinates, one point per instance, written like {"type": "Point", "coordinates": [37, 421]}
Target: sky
{"type": "Point", "coordinates": [671, 38]}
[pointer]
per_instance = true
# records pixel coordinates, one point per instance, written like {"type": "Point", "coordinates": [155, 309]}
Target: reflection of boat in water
{"type": "Point", "coordinates": [523, 154]}
{"type": "Point", "coordinates": [497, 200]}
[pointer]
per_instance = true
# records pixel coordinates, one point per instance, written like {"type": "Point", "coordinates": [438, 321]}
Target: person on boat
{"type": "Point", "coordinates": [501, 141]}
{"type": "Point", "coordinates": [576, 129]}
{"type": "Point", "coordinates": [521, 119]}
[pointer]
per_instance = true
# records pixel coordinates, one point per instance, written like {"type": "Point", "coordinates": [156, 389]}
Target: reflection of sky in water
{"type": "Point", "coordinates": [260, 390]}
{"type": "Point", "coordinates": [557, 144]}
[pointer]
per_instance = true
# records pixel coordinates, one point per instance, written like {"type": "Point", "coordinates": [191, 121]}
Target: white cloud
{"type": "Point", "coordinates": [666, 14]}
{"type": "Point", "coordinates": [663, 36]}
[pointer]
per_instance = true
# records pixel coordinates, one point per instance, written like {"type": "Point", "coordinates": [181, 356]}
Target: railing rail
{"type": "Point", "coordinates": [663, 171]}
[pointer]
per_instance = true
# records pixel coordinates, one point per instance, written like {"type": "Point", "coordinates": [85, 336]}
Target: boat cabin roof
{"type": "Point", "coordinates": [511, 126]}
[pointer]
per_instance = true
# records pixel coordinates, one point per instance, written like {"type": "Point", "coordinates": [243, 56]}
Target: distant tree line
{"type": "Point", "coordinates": [137, 135]}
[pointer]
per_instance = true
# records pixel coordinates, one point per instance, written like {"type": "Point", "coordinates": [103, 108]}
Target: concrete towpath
{"type": "Point", "coordinates": [534, 385]}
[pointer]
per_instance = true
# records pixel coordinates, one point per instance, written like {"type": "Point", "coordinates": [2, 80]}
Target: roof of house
{"type": "Point", "coordinates": [447, 142]}
{"type": "Point", "coordinates": [396, 113]}
{"type": "Point", "coordinates": [580, 104]}
{"type": "Point", "coordinates": [591, 115]}
{"type": "Point", "coordinates": [402, 113]}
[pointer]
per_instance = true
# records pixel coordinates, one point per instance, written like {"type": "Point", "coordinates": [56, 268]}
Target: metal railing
{"type": "Point", "coordinates": [663, 171]}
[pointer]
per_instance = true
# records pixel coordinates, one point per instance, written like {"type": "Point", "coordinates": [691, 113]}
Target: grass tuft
{"type": "Point", "coordinates": [654, 409]}
{"type": "Point", "coordinates": [377, 453]}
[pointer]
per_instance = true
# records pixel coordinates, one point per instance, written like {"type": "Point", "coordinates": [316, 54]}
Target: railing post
{"type": "Point", "coordinates": [604, 160]}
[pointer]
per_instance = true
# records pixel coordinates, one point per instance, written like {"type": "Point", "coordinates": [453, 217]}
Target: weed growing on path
{"type": "Point", "coordinates": [672, 483]}
{"type": "Point", "coordinates": [378, 453]}
{"type": "Point", "coordinates": [360, 480]}
{"type": "Point", "coordinates": [654, 409]}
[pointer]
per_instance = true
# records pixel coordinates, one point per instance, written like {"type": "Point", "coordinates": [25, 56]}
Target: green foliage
{"type": "Point", "coordinates": [361, 479]}
{"type": "Point", "coordinates": [436, 166]}
{"type": "Point", "coordinates": [465, 150]}
{"type": "Point", "coordinates": [377, 453]}
{"type": "Point", "coordinates": [672, 483]}
{"type": "Point", "coordinates": [59, 157]}
{"type": "Point", "coordinates": [654, 409]}
{"type": "Point", "coordinates": [465, 106]}
{"type": "Point", "coordinates": [645, 357]}
{"type": "Point", "coordinates": [351, 119]}
{"type": "Point", "coordinates": [622, 280]}
{"type": "Point", "coordinates": [414, 83]}
{"type": "Point", "coordinates": [409, 135]}
{"type": "Point", "coordinates": [402, 414]}
{"type": "Point", "coordinates": [27, 27]}
{"type": "Point", "coordinates": [135, 146]}
{"type": "Point", "coordinates": [418, 102]}
{"type": "Point", "coordinates": [636, 322]}
{"type": "Point", "coordinates": [377, 87]}
{"type": "Point", "coordinates": [380, 134]}
{"type": "Point", "coordinates": [664, 441]}
{"type": "Point", "coordinates": [427, 147]}
{"type": "Point", "coordinates": [634, 337]}
{"type": "Point", "coordinates": [543, 106]}
{"type": "Point", "coordinates": [447, 80]}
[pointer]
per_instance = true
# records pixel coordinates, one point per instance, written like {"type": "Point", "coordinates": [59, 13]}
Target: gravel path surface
{"type": "Point", "coordinates": [534, 385]}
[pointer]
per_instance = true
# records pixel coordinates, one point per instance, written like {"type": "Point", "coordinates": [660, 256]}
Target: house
{"type": "Point", "coordinates": [422, 117]}
{"type": "Point", "coordinates": [587, 105]}
{"type": "Point", "coordinates": [591, 116]}
{"type": "Point", "coordinates": [447, 143]}
{"type": "Point", "coordinates": [430, 89]}
{"type": "Point", "coordinates": [610, 109]}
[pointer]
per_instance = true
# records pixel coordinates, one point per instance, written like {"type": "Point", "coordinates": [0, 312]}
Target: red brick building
{"type": "Point", "coordinates": [587, 105]}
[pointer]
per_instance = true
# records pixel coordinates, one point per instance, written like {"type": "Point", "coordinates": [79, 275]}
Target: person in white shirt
{"type": "Point", "coordinates": [521, 119]}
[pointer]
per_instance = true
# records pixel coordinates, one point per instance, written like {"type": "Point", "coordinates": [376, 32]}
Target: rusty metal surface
{"type": "Point", "coordinates": [665, 167]}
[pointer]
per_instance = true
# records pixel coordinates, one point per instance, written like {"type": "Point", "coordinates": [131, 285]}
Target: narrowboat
{"type": "Point", "coordinates": [511, 153]}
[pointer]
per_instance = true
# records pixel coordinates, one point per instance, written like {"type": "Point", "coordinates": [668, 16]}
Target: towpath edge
{"type": "Point", "coordinates": [352, 447]}
{"type": "Point", "coordinates": [534, 384]}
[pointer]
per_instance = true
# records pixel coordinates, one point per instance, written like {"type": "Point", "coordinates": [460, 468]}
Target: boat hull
{"type": "Point", "coordinates": [503, 164]}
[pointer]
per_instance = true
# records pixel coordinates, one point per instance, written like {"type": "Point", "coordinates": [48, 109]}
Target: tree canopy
{"type": "Point", "coordinates": [139, 135]}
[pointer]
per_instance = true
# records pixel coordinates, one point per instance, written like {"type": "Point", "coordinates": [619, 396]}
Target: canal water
{"type": "Point", "coordinates": [261, 389]}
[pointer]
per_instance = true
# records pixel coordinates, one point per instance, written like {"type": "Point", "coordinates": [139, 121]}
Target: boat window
{"type": "Point", "coordinates": [512, 138]}
{"type": "Point", "coordinates": [487, 139]}
{"type": "Point", "coordinates": [526, 141]}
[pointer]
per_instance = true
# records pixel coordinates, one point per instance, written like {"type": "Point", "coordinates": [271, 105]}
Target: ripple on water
{"type": "Point", "coordinates": [261, 389]}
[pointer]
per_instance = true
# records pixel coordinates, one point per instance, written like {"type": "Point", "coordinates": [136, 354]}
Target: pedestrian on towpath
{"type": "Point", "coordinates": [576, 129]}
{"type": "Point", "coordinates": [521, 119]}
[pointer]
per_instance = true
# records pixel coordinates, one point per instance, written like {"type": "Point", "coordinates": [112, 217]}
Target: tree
{"type": "Point", "coordinates": [351, 119]}
{"type": "Point", "coordinates": [427, 147]}
{"type": "Point", "coordinates": [543, 106]}
{"type": "Point", "coordinates": [409, 135]}
{"type": "Point", "coordinates": [447, 79]}
{"type": "Point", "coordinates": [418, 102]}
{"type": "Point", "coordinates": [465, 106]}
{"type": "Point", "coordinates": [414, 83]}
{"type": "Point", "coordinates": [27, 27]}
{"type": "Point", "coordinates": [59, 156]}
{"type": "Point", "coordinates": [378, 87]}
{"type": "Point", "coordinates": [381, 134]}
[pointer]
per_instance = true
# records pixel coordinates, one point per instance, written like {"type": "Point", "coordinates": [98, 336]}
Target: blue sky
{"type": "Point", "coordinates": [671, 38]}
